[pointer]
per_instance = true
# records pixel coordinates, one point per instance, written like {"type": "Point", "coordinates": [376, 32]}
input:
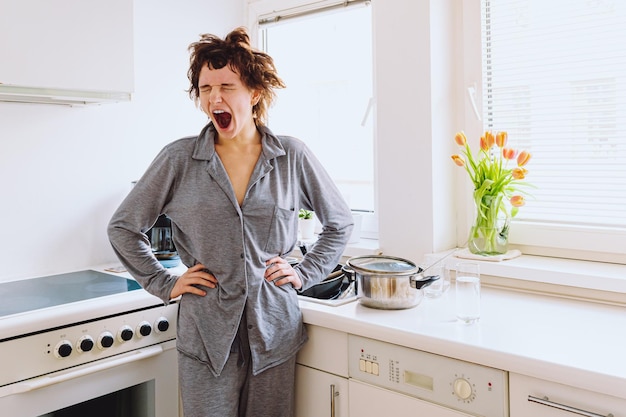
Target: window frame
{"type": "Point", "coordinates": [533, 238]}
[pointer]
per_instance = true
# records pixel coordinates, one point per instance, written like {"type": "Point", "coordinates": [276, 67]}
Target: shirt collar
{"type": "Point", "coordinates": [205, 144]}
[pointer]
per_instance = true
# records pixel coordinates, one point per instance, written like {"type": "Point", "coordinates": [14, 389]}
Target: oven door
{"type": "Point", "coordinates": [140, 383]}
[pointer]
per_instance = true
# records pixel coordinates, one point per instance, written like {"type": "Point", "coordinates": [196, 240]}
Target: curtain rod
{"type": "Point", "coordinates": [273, 18]}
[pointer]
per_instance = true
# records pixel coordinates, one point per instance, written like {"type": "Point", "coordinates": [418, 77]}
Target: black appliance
{"type": "Point", "coordinates": [163, 247]}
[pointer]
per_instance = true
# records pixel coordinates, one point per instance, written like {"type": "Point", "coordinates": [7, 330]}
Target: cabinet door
{"type": "Point", "coordinates": [67, 44]}
{"type": "Point", "coordinates": [538, 398]}
{"type": "Point", "coordinates": [370, 401]}
{"type": "Point", "coordinates": [314, 393]}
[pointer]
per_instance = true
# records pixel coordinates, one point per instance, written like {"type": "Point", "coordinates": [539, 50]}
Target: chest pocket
{"type": "Point", "coordinates": [274, 228]}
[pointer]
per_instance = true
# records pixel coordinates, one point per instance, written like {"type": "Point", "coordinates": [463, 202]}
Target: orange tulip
{"type": "Point", "coordinates": [517, 201]}
{"type": "Point", "coordinates": [483, 144]}
{"type": "Point", "coordinates": [501, 138]}
{"type": "Point", "coordinates": [523, 158]}
{"type": "Point", "coordinates": [458, 160]}
{"type": "Point", "coordinates": [508, 153]}
{"type": "Point", "coordinates": [519, 173]}
{"type": "Point", "coordinates": [491, 140]}
{"type": "Point", "coordinates": [460, 139]}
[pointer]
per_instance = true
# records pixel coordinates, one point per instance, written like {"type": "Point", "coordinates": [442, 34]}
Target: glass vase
{"type": "Point", "coordinates": [489, 234]}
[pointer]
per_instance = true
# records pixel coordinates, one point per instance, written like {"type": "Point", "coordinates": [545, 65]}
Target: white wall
{"type": "Point", "coordinates": [417, 101]}
{"type": "Point", "coordinates": [64, 170]}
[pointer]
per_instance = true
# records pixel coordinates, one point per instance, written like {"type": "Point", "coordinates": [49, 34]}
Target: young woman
{"type": "Point", "coordinates": [233, 194]}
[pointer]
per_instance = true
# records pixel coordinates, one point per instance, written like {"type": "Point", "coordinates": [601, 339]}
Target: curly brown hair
{"type": "Point", "coordinates": [256, 68]}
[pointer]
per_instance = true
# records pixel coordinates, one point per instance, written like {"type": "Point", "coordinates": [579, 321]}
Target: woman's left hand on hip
{"type": "Point", "coordinates": [279, 271]}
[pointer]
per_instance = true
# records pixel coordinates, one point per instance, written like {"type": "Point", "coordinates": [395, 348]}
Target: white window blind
{"type": "Point", "coordinates": [554, 77]}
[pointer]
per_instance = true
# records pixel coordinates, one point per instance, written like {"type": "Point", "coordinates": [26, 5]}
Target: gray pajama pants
{"type": "Point", "coordinates": [236, 392]}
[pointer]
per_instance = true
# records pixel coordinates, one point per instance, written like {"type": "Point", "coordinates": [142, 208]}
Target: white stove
{"type": "Point", "coordinates": [79, 328]}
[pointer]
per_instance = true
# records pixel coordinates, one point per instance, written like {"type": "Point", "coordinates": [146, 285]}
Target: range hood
{"type": "Point", "coordinates": [67, 97]}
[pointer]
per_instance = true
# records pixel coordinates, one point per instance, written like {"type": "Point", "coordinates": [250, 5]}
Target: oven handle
{"type": "Point", "coordinates": [47, 380]}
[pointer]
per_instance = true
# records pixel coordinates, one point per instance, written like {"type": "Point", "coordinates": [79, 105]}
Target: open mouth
{"type": "Point", "coordinates": [222, 118]}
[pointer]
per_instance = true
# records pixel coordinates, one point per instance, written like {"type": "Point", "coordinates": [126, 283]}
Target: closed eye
{"type": "Point", "coordinates": [222, 87]}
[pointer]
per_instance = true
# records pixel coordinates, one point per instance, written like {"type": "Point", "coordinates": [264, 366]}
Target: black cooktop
{"type": "Point", "coordinates": [53, 290]}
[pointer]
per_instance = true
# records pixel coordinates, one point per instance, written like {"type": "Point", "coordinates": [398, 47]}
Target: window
{"type": "Point", "coordinates": [554, 77]}
{"type": "Point", "coordinates": [325, 58]}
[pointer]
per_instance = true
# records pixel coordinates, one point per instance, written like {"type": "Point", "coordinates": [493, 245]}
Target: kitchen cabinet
{"type": "Point", "coordinates": [540, 398]}
{"type": "Point", "coordinates": [63, 50]}
{"type": "Point", "coordinates": [370, 401]}
{"type": "Point", "coordinates": [322, 374]}
{"type": "Point", "coordinates": [319, 393]}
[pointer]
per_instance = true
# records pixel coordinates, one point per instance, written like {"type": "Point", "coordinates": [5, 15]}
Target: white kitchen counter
{"type": "Point", "coordinates": [571, 342]}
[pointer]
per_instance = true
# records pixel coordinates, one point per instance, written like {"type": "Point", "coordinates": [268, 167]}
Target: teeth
{"type": "Point", "coordinates": [218, 111]}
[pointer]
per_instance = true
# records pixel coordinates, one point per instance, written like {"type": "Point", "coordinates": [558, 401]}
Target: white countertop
{"type": "Point", "coordinates": [571, 342]}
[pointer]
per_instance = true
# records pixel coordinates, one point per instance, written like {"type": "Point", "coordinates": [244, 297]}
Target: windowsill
{"type": "Point", "coordinates": [591, 281]}
{"type": "Point", "coordinates": [362, 247]}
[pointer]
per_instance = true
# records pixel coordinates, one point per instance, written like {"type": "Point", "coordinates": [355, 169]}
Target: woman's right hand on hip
{"type": "Point", "coordinates": [193, 281]}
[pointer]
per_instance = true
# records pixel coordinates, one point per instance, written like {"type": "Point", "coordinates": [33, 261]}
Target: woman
{"type": "Point", "coordinates": [233, 194]}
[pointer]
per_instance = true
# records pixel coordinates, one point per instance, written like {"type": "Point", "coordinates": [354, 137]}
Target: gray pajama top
{"type": "Point", "coordinates": [188, 183]}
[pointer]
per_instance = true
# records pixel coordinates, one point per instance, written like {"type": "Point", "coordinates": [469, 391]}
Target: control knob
{"type": "Point", "coordinates": [105, 340]}
{"type": "Point", "coordinates": [144, 328]}
{"type": "Point", "coordinates": [462, 388]}
{"type": "Point", "coordinates": [162, 325]}
{"type": "Point", "coordinates": [125, 334]}
{"type": "Point", "coordinates": [85, 343]}
{"type": "Point", "coordinates": [63, 349]}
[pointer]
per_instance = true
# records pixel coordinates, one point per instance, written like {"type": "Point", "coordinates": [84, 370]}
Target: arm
{"type": "Point", "coordinates": [320, 194]}
{"type": "Point", "coordinates": [134, 217]}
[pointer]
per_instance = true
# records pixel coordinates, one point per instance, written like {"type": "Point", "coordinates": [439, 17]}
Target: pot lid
{"type": "Point", "coordinates": [382, 265]}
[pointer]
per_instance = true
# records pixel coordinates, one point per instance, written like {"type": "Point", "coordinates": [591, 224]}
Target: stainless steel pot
{"type": "Point", "coordinates": [387, 282]}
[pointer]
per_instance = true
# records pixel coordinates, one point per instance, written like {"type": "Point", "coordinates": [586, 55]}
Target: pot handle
{"type": "Point", "coordinates": [421, 283]}
{"type": "Point", "coordinates": [349, 273]}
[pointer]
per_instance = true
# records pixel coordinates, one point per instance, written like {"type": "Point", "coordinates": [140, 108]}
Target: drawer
{"type": "Point", "coordinates": [326, 350]}
{"type": "Point", "coordinates": [539, 398]}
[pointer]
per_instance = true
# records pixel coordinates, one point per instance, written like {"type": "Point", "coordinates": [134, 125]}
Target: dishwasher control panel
{"type": "Point", "coordinates": [452, 383]}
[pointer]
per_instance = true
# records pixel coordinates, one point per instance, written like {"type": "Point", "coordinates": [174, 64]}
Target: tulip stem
{"type": "Point", "coordinates": [489, 233]}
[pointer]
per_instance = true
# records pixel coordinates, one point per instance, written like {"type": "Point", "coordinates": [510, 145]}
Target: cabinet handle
{"type": "Point", "coordinates": [546, 401]}
{"type": "Point", "coordinates": [334, 394]}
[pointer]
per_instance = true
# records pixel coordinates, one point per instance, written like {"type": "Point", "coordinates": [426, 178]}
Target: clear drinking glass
{"type": "Point", "coordinates": [432, 265]}
{"type": "Point", "coordinates": [438, 287]}
{"type": "Point", "coordinates": [434, 289]}
{"type": "Point", "coordinates": [435, 265]}
{"type": "Point", "coordinates": [467, 286]}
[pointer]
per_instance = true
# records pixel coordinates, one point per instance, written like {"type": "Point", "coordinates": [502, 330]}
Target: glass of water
{"type": "Point", "coordinates": [434, 266]}
{"type": "Point", "coordinates": [467, 287]}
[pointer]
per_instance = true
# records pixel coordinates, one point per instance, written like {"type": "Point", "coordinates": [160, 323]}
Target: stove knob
{"type": "Point", "coordinates": [63, 349]}
{"type": "Point", "coordinates": [105, 340]}
{"type": "Point", "coordinates": [162, 325]}
{"type": "Point", "coordinates": [144, 328]}
{"type": "Point", "coordinates": [462, 388]}
{"type": "Point", "coordinates": [85, 344]}
{"type": "Point", "coordinates": [125, 334]}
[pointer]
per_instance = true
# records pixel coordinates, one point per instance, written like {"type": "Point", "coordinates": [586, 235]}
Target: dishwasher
{"type": "Point", "coordinates": [388, 379]}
